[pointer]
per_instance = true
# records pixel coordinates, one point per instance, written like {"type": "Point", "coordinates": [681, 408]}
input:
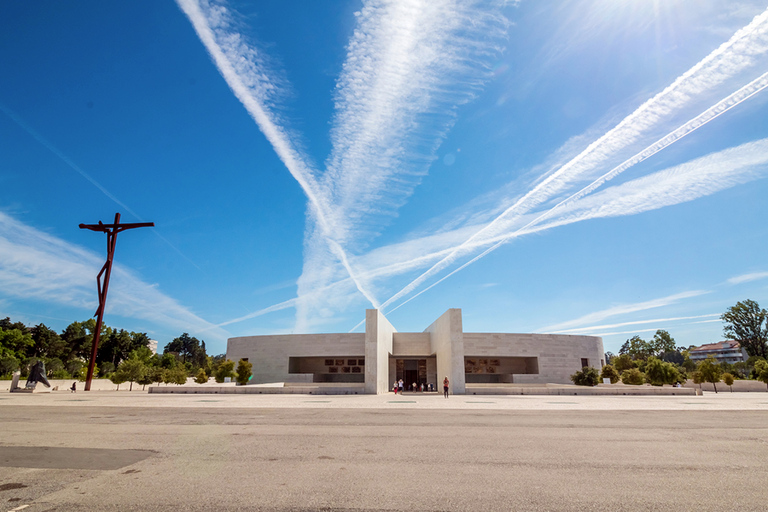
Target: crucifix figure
{"type": "Point", "coordinates": [111, 230]}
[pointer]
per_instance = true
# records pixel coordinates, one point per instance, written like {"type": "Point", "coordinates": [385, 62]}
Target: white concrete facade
{"type": "Point", "coordinates": [382, 355]}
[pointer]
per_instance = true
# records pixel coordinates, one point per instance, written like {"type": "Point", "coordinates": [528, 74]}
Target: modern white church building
{"type": "Point", "coordinates": [374, 360]}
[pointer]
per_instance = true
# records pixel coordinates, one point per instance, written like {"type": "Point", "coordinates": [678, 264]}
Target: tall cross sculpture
{"type": "Point", "coordinates": [111, 230]}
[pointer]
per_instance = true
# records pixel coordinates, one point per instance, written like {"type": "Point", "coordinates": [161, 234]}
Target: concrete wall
{"type": "Point", "coordinates": [378, 346]}
{"type": "Point", "coordinates": [410, 344]}
{"type": "Point", "coordinates": [447, 343]}
{"type": "Point", "coordinates": [269, 354]}
{"type": "Point", "coordinates": [559, 355]}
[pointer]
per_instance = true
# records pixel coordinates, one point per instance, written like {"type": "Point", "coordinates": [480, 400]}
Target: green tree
{"type": "Point", "coordinates": [168, 361]}
{"type": "Point", "coordinates": [658, 372]}
{"type": "Point", "coordinates": [105, 369]}
{"type": "Point", "coordinates": [8, 364]}
{"type": "Point", "coordinates": [623, 362]}
{"type": "Point", "coordinates": [696, 378]}
{"type": "Point", "coordinates": [15, 343]}
{"type": "Point", "coordinates": [189, 349]}
{"type": "Point", "coordinates": [74, 366]}
{"type": "Point", "coordinates": [609, 372]}
{"type": "Point", "coordinates": [728, 380]}
{"type": "Point", "coordinates": [7, 325]}
{"type": "Point", "coordinates": [710, 371]}
{"type": "Point", "coordinates": [243, 372]}
{"type": "Point", "coordinates": [201, 377]}
{"type": "Point", "coordinates": [633, 376]}
{"type": "Point", "coordinates": [747, 323]}
{"type": "Point", "coordinates": [133, 369]}
{"type": "Point", "coordinates": [224, 370]}
{"type": "Point", "coordinates": [118, 378]}
{"type": "Point", "coordinates": [48, 343]}
{"type": "Point", "coordinates": [176, 375]}
{"type": "Point", "coordinates": [53, 365]}
{"type": "Point", "coordinates": [155, 373]}
{"type": "Point", "coordinates": [761, 371]}
{"type": "Point", "coordinates": [662, 343]}
{"type": "Point", "coordinates": [146, 379]}
{"type": "Point", "coordinates": [637, 348]}
{"type": "Point", "coordinates": [144, 354]}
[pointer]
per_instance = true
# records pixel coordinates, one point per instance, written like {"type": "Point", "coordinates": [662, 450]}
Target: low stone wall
{"type": "Point", "coordinates": [562, 389]}
{"type": "Point", "coordinates": [741, 386]}
{"type": "Point", "coordinates": [65, 384]}
{"type": "Point", "coordinates": [288, 388]}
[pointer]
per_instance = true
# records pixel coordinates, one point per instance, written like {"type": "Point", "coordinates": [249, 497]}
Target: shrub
{"type": "Point", "coordinates": [710, 371]}
{"type": "Point", "coordinates": [225, 369]}
{"type": "Point", "coordinates": [659, 373]}
{"type": "Point", "coordinates": [176, 375]}
{"type": "Point", "coordinates": [243, 372]}
{"type": "Point", "coordinates": [633, 377]}
{"type": "Point", "coordinates": [201, 377]}
{"type": "Point", "coordinates": [609, 372]}
{"type": "Point", "coordinates": [761, 371]}
{"type": "Point", "coordinates": [588, 376]}
{"type": "Point", "coordinates": [623, 362]}
{"type": "Point", "coordinates": [61, 374]}
{"type": "Point", "coordinates": [728, 380]}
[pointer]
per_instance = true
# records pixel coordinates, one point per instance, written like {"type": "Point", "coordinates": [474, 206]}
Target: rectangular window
{"type": "Point", "coordinates": [351, 362]}
{"type": "Point", "coordinates": [329, 362]}
{"type": "Point", "coordinates": [584, 362]}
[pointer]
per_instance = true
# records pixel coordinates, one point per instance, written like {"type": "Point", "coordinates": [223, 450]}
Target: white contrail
{"type": "Point", "coordinates": [731, 57]}
{"type": "Point", "coordinates": [745, 278]}
{"type": "Point", "coordinates": [36, 265]}
{"type": "Point", "coordinates": [64, 158]}
{"type": "Point", "coordinates": [682, 183]}
{"type": "Point", "coordinates": [242, 68]}
{"type": "Point", "coordinates": [694, 124]}
{"type": "Point", "coordinates": [409, 65]}
{"type": "Point", "coordinates": [593, 328]}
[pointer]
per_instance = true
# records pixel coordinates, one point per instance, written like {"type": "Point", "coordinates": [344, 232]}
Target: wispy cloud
{"type": "Point", "coordinates": [745, 278]}
{"type": "Point", "coordinates": [623, 309]}
{"type": "Point", "coordinates": [245, 70]}
{"type": "Point", "coordinates": [409, 65]}
{"type": "Point", "coordinates": [36, 265]}
{"type": "Point", "coordinates": [730, 59]}
{"type": "Point", "coordinates": [595, 328]}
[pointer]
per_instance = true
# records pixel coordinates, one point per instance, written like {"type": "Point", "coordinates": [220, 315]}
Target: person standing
{"type": "Point", "coordinates": [400, 383]}
{"type": "Point", "coordinates": [395, 387]}
{"type": "Point", "coordinates": [445, 386]}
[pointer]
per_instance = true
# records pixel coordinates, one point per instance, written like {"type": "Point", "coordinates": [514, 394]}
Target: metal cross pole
{"type": "Point", "coordinates": [111, 230]}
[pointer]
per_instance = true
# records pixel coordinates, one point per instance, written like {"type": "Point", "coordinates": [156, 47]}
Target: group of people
{"type": "Point", "coordinates": [398, 387]}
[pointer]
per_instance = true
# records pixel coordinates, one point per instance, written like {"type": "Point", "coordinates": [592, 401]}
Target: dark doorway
{"type": "Point", "coordinates": [411, 370]}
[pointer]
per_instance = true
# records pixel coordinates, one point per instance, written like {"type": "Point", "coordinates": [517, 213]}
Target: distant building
{"type": "Point", "coordinates": [723, 351]}
{"type": "Point", "coordinates": [153, 346]}
{"type": "Point", "coordinates": [375, 359]}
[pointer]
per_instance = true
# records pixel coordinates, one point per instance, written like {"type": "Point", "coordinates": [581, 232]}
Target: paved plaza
{"type": "Point", "coordinates": [135, 451]}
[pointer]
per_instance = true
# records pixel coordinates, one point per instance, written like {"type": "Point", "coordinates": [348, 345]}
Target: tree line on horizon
{"type": "Point", "coordinates": [659, 361]}
{"type": "Point", "coordinates": [122, 356]}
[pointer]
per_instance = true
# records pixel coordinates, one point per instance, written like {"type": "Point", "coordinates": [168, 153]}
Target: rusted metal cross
{"type": "Point", "coordinates": [111, 230]}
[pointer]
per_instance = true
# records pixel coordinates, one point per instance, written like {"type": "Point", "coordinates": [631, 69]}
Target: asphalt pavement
{"type": "Point", "coordinates": [134, 451]}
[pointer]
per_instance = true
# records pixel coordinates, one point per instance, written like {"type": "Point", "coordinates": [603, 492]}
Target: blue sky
{"type": "Point", "coordinates": [587, 167]}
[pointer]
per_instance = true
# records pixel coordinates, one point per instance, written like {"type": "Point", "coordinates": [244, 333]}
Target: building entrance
{"type": "Point", "coordinates": [411, 371]}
